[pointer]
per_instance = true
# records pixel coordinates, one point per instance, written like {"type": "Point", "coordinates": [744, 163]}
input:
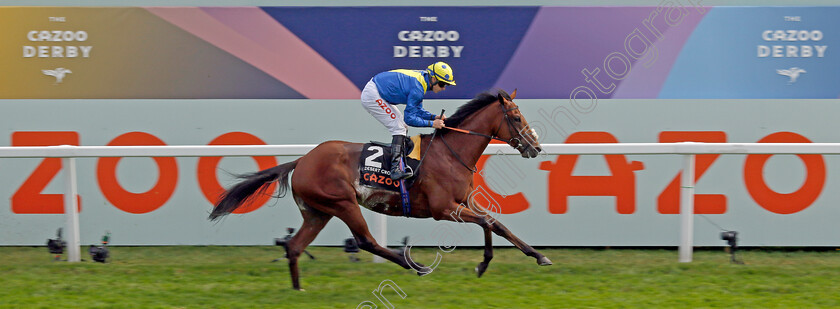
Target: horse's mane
{"type": "Point", "coordinates": [480, 101]}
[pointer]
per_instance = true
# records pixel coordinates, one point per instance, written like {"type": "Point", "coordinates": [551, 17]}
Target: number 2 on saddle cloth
{"type": "Point", "coordinates": [375, 169]}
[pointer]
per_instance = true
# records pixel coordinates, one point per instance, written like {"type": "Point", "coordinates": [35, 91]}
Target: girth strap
{"type": "Point", "coordinates": [406, 201]}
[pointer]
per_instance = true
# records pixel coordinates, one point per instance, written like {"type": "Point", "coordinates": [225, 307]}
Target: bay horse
{"type": "Point", "coordinates": [325, 182]}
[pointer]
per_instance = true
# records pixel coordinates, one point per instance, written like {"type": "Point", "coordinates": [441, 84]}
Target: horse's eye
{"type": "Point", "coordinates": [517, 119]}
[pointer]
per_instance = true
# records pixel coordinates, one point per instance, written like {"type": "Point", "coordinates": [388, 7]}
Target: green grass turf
{"type": "Point", "coordinates": [244, 277]}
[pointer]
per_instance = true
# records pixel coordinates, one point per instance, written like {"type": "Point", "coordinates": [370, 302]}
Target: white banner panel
{"type": "Point", "coordinates": [614, 200]}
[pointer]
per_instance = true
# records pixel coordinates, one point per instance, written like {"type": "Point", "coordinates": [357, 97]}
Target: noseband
{"type": "Point", "coordinates": [515, 140]}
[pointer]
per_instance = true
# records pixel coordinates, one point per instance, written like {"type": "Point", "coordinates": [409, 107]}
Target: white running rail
{"type": "Point", "coordinates": [689, 150]}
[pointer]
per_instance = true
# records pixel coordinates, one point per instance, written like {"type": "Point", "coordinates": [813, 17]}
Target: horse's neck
{"type": "Point", "coordinates": [470, 147]}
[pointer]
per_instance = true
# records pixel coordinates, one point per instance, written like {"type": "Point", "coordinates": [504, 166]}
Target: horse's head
{"type": "Point", "coordinates": [514, 128]}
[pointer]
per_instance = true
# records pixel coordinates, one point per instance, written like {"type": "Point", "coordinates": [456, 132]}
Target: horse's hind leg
{"type": "Point", "coordinates": [352, 216]}
{"type": "Point", "coordinates": [313, 222]}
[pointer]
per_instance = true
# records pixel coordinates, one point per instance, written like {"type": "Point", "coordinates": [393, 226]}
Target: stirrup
{"type": "Point", "coordinates": [398, 174]}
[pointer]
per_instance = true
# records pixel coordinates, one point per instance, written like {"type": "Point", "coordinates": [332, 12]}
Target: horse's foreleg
{"type": "Point", "coordinates": [464, 214]}
{"type": "Point", "coordinates": [313, 222]}
{"type": "Point", "coordinates": [501, 230]}
{"type": "Point", "coordinates": [488, 252]}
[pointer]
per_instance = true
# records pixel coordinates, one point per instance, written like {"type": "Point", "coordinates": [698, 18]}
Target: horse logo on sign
{"type": "Point", "coordinates": [793, 73]}
{"type": "Point", "coordinates": [58, 73]}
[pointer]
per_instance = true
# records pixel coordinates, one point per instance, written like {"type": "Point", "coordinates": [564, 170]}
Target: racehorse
{"type": "Point", "coordinates": [325, 182]}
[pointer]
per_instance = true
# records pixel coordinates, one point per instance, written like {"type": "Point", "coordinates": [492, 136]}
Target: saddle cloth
{"type": "Point", "coordinates": [375, 165]}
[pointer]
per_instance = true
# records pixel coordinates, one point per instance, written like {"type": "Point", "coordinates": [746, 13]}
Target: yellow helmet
{"type": "Point", "coordinates": [443, 72]}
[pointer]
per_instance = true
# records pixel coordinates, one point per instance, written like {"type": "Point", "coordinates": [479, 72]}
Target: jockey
{"type": "Point", "coordinates": [387, 89]}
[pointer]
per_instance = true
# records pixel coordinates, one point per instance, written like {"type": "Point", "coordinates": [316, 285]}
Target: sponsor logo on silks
{"type": "Point", "coordinates": [58, 73]}
{"type": "Point", "coordinates": [793, 73]}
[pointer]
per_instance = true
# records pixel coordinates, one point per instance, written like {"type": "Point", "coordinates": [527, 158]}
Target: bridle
{"type": "Point", "coordinates": [515, 141]}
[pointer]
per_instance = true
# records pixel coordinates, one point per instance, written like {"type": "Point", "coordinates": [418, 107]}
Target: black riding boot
{"type": "Point", "coordinates": [397, 149]}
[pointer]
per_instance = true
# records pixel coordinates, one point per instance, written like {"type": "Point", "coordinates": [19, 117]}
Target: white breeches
{"type": "Point", "coordinates": [389, 115]}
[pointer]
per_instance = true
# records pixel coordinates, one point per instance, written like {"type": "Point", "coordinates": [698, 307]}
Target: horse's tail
{"type": "Point", "coordinates": [257, 182]}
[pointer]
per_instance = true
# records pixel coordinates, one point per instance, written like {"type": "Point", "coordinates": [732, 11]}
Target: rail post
{"type": "Point", "coordinates": [380, 233]}
{"type": "Point", "coordinates": [71, 213]}
{"type": "Point", "coordinates": [687, 209]}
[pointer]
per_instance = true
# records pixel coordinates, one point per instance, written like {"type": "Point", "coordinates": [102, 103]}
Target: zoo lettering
{"type": "Point", "coordinates": [381, 179]}
{"type": "Point", "coordinates": [621, 183]}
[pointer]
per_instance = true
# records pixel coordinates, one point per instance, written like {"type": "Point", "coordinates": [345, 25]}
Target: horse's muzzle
{"type": "Point", "coordinates": [529, 151]}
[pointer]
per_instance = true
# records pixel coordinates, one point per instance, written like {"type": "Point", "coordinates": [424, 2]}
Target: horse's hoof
{"type": "Point", "coordinates": [480, 269]}
{"type": "Point", "coordinates": [424, 271]}
{"type": "Point", "coordinates": [299, 289]}
{"type": "Point", "coordinates": [421, 269]}
{"type": "Point", "coordinates": [544, 261]}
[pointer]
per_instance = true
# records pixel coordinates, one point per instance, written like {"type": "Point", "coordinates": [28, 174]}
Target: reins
{"type": "Point", "coordinates": [472, 169]}
{"type": "Point", "coordinates": [506, 141]}
{"type": "Point", "coordinates": [432, 139]}
{"type": "Point", "coordinates": [492, 137]}
{"type": "Point", "coordinates": [476, 133]}
{"type": "Point", "coordinates": [427, 150]}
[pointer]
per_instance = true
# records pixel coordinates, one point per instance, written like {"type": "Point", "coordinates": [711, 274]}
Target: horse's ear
{"type": "Point", "coordinates": [513, 95]}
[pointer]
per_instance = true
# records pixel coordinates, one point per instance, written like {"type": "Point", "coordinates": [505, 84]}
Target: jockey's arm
{"type": "Point", "coordinates": [415, 115]}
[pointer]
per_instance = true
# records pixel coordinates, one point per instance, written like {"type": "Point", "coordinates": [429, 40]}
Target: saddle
{"type": "Point", "coordinates": [375, 164]}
